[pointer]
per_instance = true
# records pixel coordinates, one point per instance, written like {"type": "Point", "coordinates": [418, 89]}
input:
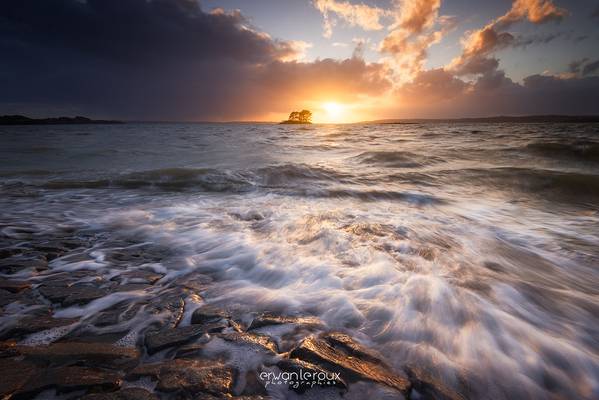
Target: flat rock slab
{"type": "Point", "coordinates": [260, 342]}
{"type": "Point", "coordinates": [188, 376]}
{"type": "Point", "coordinates": [351, 347]}
{"type": "Point", "coordinates": [13, 264]}
{"type": "Point", "coordinates": [302, 367]}
{"type": "Point", "coordinates": [71, 295]}
{"type": "Point", "coordinates": [7, 297]}
{"type": "Point", "coordinates": [171, 303]}
{"type": "Point", "coordinates": [431, 387]}
{"type": "Point", "coordinates": [208, 313]}
{"type": "Point", "coordinates": [14, 286]}
{"type": "Point", "coordinates": [320, 352]}
{"type": "Point", "coordinates": [94, 354]}
{"type": "Point", "coordinates": [14, 375]}
{"type": "Point", "coordinates": [139, 276]}
{"type": "Point", "coordinates": [268, 319]}
{"type": "Point", "coordinates": [123, 394]}
{"type": "Point", "coordinates": [169, 337]}
{"type": "Point", "coordinates": [67, 379]}
{"type": "Point", "coordinates": [33, 324]}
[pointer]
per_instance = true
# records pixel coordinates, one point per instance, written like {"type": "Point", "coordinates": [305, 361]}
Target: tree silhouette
{"type": "Point", "coordinates": [294, 116]}
{"type": "Point", "coordinates": [305, 116]}
{"type": "Point", "coordinates": [299, 117]}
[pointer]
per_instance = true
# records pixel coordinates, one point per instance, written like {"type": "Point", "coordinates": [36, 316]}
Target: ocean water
{"type": "Point", "coordinates": [469, 249]}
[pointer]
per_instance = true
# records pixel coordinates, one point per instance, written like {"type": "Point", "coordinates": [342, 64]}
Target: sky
{"type": "Point", "coordinates": [258, 60]}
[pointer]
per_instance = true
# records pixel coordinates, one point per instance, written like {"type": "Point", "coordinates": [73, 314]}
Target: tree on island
{"type": "Point", "coordinates": [300, 117]}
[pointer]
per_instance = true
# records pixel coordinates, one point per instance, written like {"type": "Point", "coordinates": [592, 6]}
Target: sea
{"type": "Point", "coordinates": [469, 249]}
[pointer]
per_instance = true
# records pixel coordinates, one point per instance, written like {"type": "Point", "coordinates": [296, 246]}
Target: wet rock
{"type": "Point", "coordinates": [308, 371]}
{"type": "Point", "coordinates": [120, 312]}
{"type": "Point", "coordinates": [159, 340]}
{"type": "Point", "coordinates": [253, 385]}
{"type": "Point", "coordinates": [130, 287]}
{"type": "Point", "coordinates": [351, 347]}
{"type": "Point", "coordinates": [123, 394]}
{"type": "Point", "coordinates": [93, 354]}
{"type": "Point", "coordinates": [197, 282]}
{"type": "Point", "coordinates": [13, 286]}
{"type": "Point", "coordinates": [208, 313]}
{"type": "Point", "coordinates": [68, 379]}
{"type": "Point", "coordinates": [188, 376]}
{"type": "Point", "coordinates": [322, 353]}
{"type": "Point", "coordinates": [172, 304]}
{"type": "Point", "coordinates": [14, 374]}
{"type": "Point", "coordinates": [429, 386]}
{"type": "Point", "coordinates": [269, 319]}
{"type": "Point", "coordinates": [8, 250]}
{"type": "Point", "coordinates": [139, 276]}
{"type": "Point", "coordinates": [261, 342]}
{"type": "Point", "coordinates": [8, 349]}
{"type": "Point", "coordinates": [71, 295]}
{"type": "Point", "coordinates": [18, 263]}
{"type": "Point", "coordinates": [7, 297]}
{"type": "Point", "coordinates": [33, 324]}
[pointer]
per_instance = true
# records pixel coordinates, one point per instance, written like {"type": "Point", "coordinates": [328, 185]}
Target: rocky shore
{"type": "Point", "coordinates": [130, 331]}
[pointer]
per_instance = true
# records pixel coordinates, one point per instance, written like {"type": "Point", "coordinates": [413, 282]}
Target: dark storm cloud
{"type": "Point", "coordinates": [158, 59]}
{"type": "Point", "coordinates": [591, 68]}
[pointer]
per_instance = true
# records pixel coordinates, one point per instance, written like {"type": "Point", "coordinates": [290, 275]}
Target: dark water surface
{"type": "Point", "coordinates": [470, 249]}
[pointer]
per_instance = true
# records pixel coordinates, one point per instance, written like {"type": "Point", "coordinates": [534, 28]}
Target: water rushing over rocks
{"type": "Point", "coordinates": [445, 261]}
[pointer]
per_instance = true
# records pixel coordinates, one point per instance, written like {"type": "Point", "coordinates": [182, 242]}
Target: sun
{"type": "Point", "coordinates": [334, 111]}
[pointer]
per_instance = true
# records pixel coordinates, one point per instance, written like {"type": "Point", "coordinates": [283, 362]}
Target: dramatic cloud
{"type": "Point", "coordinates": [417, 27]}
{"type": "Point", "coordinates": [478, 45]}
{"type": "Point", "coordinates": [172, 60]}
{"type": "Point", "coordinates": [160, 59]}
{"type": "Point", "coordinates": [535, 11]}
{"type": "Point", "coordinates": [438, 93]}
{"type": "Point", "coordinates": [591, 68]}
{"type": "Point", "coordinates": [362, 15]}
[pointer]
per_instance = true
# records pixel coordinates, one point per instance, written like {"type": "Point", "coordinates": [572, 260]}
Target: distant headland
{"type": "Point", "coordinates": [299, 117]}
{"type": "Point", "coordinates": [22, 120]}
{"type": "Point", "coordinates": [496, 119]}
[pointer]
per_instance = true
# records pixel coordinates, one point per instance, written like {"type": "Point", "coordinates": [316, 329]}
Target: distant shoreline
{"type": "Point", "coordinates": [22, 120]}
{"type": "Point", "coordinates": [497, 119]}
{"type": "Point", "coordinates": [294, 123]}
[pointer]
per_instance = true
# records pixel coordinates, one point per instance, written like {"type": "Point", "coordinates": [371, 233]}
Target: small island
{"type": "Point", "coordinates": [299, 117]}
{"type": "Point", "coordinates": [22, 120]}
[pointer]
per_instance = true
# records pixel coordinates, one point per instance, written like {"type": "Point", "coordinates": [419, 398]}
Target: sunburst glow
{"type": "Point", "coordinates": [334, 111]}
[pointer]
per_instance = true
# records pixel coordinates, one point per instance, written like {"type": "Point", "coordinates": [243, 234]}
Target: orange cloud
{"type": "Point", "coordinates": [417, 27]}
{"type": "Point", "coordinates": [362, 15]}
{"type": "Point", "coordinates": [481, 43]}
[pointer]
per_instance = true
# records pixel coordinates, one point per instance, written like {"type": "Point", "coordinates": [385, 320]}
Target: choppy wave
{"type": "Point", "coordinates": [576, 186]}
{"type": "Point", "coordinates": [395, 159]}
{"type": "Point", "coordinates": [578, 152]}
